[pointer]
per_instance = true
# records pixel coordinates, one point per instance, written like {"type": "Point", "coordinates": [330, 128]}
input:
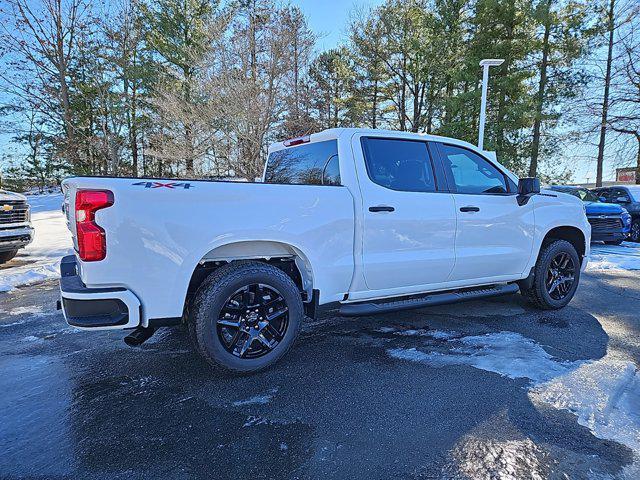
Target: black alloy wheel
{"type": "Point", "coordinates": [253, 321]}
{"type": "Point", "coordinates": [245, 316]}
{"type": "Point", "coordinates": [560, 276]}
{"type": "Point", "coordinates": [555, 276]}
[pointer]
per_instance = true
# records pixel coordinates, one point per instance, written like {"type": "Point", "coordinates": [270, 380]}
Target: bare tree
{"type": "Point", "coordinates": [249, 71]}
{"type": "Point", "coordinates": [44, 41]}
{"type": "Point", "coordinates": [625, 99]}
{"type": "Point", "coordinates": [611, 27]}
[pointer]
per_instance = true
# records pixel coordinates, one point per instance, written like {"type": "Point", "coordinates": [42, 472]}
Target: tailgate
{"type": "Point", "coordinates": [68, 208]}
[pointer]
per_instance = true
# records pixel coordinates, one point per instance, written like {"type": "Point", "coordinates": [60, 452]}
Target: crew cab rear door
{"type": "Point", "coordinates": [408, 224]}
{"type": "Point", "coordinates": [494, 234]}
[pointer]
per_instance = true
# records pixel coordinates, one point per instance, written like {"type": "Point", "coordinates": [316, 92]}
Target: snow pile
{"type": "Point", "coordinates": [40, 260]}
{"type": "Point", "coordinates": [614, 257]}
{"type": "Point", "coordinates": [603, 394]}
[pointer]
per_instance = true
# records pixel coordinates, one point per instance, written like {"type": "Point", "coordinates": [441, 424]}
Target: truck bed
{"type": "Point", "coordinates": [162, 230]}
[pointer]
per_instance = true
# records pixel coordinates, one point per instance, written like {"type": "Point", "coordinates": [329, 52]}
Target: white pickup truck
{"type": "Point", "coordinates": [375, 221]}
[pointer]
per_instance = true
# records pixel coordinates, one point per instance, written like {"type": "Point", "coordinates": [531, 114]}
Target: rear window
{"type": "Point", "coordinates": [310, 164]}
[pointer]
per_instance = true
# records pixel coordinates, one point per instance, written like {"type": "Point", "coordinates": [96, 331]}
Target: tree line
{"type": "Point", "coordinates": [195, 88]}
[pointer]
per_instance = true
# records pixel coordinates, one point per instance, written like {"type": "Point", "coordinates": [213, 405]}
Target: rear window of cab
{"type": "Point", "coordinates": [309, 164]}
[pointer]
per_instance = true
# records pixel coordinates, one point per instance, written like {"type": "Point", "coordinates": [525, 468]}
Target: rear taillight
{"type": "Point", "coordinates": [92, 240]}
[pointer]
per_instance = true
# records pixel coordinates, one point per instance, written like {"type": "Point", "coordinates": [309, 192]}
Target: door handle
{"type": "Point", "coordinates": [469, 209]}
{"type": "Point", "coordinates": [381, 208]}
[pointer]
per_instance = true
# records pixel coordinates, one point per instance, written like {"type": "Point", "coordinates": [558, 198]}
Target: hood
{"type": "Point", "coordinates": [563, 197]}
{"type": "Point", "coordinates": [599, 208]}
{"type": "Point", "coordinates": [5, 195]}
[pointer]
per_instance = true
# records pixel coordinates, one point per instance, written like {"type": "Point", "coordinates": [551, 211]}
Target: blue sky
{"type": "Point", "coordinates": [330, 18]}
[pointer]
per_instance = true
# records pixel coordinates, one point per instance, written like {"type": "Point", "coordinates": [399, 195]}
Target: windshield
{"type": "Point", "coordinates": [635, 192]}
{"type": "Point", "coordinates": [584, 195]}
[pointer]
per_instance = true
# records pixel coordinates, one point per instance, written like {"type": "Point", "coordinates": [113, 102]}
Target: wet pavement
{"type": "Point", "coordinates": [352, 399]}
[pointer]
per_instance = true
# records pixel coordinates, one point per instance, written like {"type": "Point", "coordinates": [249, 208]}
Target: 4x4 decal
{"type": "Point", "coordinates": [164, 185]}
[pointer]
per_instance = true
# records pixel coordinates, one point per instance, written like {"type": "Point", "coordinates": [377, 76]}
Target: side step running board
{"type": "Point", "coordinates": [390, 305]}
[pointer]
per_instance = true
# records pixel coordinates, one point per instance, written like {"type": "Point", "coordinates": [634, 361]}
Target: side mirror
{"type": "Point", "coordinates": [602, 199]}
{"type": "Point", "coordinates": [622, 200]}
{"type": "Point", "coordinates": [528, 186]}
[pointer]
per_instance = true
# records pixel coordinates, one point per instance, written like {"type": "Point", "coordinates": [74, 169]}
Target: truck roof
{"type": "Point", "coordinates": [335, 133]}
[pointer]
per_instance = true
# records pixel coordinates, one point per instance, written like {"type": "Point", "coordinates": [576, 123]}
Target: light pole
{"type": "Point", "coordinates": [485, 64]}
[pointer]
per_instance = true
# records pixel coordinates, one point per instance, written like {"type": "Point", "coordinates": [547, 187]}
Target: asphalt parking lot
{"type": "Point", "coordinates": [487, 389]}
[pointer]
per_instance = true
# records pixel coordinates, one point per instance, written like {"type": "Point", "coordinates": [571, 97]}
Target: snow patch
{"type": "Point", "coordinates": [42, 257]}
{"type": "Point", "coordinates": [614, 257]}
{"type": "Point", "coordinates": [262, 399]}
{"type": "Point", "coordinates": [32, 311]}
{"type": "Point", "coordinates": [506, 353]}
{"type": "Point", "coordinates": [489, 458]}
{"type": "Point", "coordinates": [5, 325]}
{"type": "Point", "coordinates": [603, 394]}
{"type": "Point", "coordinates": [420, 332]}
{"type": "Point", "coordinates": [253, 420]}
{"type": "Point", "coordinates": [31, 338]}
{"type": "Point", "coordinates": [437, 334]}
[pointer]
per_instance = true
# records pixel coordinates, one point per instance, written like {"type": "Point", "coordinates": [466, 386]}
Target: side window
{"type": "Point", "coordinates": [398, 164]}
{"type": "Point", "coordinates": [617, 193]}
{"type": "Point", "coordinates": [470, 173]}
{"type": "Point", "coordinates": [331, 172]}
{"type": "Point", "coordinates": [304, 164]}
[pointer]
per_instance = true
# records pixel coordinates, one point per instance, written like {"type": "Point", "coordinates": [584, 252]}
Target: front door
{"type": "Point", "coordinates": [409, 226]}
{"type": "Point", "coordinates": [494, 236]}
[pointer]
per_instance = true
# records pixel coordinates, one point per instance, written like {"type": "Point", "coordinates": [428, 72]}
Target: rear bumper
{"type": "Point", "coordinates": [15, 238]}
{"type": "Point", "coordinates": [95, 308]}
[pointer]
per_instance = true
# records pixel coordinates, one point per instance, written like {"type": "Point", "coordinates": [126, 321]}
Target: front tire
{"type": "Point", "coordinates": [6, 256]}
{"type": "Point", "coordinates": [634, 236]}
{"type": "Point", "coordinates": [246, 316]}
{"type": "Point", "coordinates": [556, 276]}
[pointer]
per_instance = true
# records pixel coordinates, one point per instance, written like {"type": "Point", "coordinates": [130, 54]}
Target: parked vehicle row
{"type": "Point", "coordinates": [628, 196]}
{"type": "Point", "coordinates": [16, 231]}
{"type": "Point", "coordinates": [610, 223]}
{"type": "Point", "coordinates": [372, 221]}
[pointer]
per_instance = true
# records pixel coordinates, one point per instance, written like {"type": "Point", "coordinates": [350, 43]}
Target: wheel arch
{"type": "Point", "coordinates": [573, 235]}
{"type": "Point", "coordinates": [282, 255]}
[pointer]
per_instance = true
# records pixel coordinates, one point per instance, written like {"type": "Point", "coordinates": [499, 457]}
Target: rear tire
{"type": "Point", "coordinates": [245, 316]}
{"type": "Point", "coordinates": [6, 256]}
{"type": "Point", "coordinates": [556, 276]}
